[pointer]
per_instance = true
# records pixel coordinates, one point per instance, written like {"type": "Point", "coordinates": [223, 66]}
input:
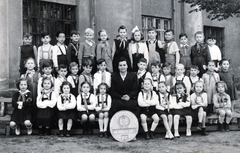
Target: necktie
{"type": "Point", "coordinates": [85, 101]}
{"type": "Point", "coordinates": [102, 102]}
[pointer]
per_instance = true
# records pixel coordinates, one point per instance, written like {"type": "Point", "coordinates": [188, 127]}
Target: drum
{"type": "Point", "coordinates": [124, 126]}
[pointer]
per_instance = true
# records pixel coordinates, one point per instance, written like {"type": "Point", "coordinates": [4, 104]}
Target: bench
{"type": "Point", "coordinates": [5, 114]}
{"type": "Point", "coordinates": [6, 110]}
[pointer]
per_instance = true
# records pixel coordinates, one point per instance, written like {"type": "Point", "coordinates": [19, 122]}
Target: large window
{"type": "Point", "coordinates": [218, 33]}
{"type": "Point", "coordinates": [161, 24]}
{"type": "Point", "coordinates": [40, 17]}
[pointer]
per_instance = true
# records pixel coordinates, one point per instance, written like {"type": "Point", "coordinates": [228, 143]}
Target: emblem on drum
{"type": "Point", "coordinates": [124, 126]}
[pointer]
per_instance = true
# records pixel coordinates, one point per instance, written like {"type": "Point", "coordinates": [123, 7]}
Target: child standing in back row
{"type": "Point", "coordinates": [155, 51]}
{"type": "Point", "coordinates": [171, 50]}
{"type": "Point", "coordinates": [73, 48]}
{"type": "Point", "coordinates": [27, 50]}
{"type": "Point", "coordinates": [185, 52]}
{"type": "Point", "coordinates": [200, 53]}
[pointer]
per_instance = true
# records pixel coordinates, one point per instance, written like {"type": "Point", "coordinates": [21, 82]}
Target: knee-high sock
{"type": "Point", "coordinates": [105, 120]}
{"type": "Point", "coordinates": [153, 127]}
{"type": "Point", "coordinates": [145, 128]}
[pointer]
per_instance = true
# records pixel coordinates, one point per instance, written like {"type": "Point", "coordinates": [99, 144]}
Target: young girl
{"type": "Point", "coordinates": [32, 76]}
{"type": "Point", "coordinates": [27, 50]}
{"type": "Point", "coordinates": [73, 78]}
{"type": "Point", "coordinates": [86, 75]}
{"type": "Point", "coordinates": [199, 104]}
{"type": "Point", "coordinates": [164, 109]}
{"type": "Point", "coordinates": [166, 75]}
{"type": "Point", "coordinates": [45, 103]}
{"type": "Point", "coordinates": [86, 107]}
{"type": "Point", "coordinates": [66, 104]}
{"type": "Point", "coordinates": [104, 50]}
{"type": "Point", "coordinates": [210, 78]}
{"type": "Point", "coordinates": [181, 106]}
{"type": "Point", "coordinates": [102, 75]}
{"type": "Point", "coordinates": [229, 79]}
{"type": "Point", "coordinates": [21, 103]}
{"type": "Point", "coordinates": [222, 105]}
{"type": "Point", "coordinates": [137, 48]}
{"type": "Point", "coordinates": [104, 102]}
{"type": "Point", "coordinates": [147, 101]}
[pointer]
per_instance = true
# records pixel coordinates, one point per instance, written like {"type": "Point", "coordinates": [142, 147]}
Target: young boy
{"type": "Point", "coordinates": [62, 72]}
{"type": "Point", "coordinates": [102, 75]}
{"type": "Point", "coordinates": [193, 77]}
{"type": "Point", "coordinates": [45, 52]}
{"type": "Point", "coordinates": [86, 74]}
{"type": "Point", "coordinates": [185, 52]}
{"type": "Point", "coordinates": [155, 50]}
{"type": "Point", "coordinates": [142, 72]}
{"type": "Point", "coordinates": [87, 48]}
{"type": "Point", "coordinates": [60, 49]}
{"type": "Point", "coordinates": [166, 75]}
{"type": "Point", "coordinates": [73, 48]}
{"type": "Point", "coordinates": [155, 68]}
{"type": "Point", "coordinates": [120, 48]}
{"type": "Point", "coordinates": [171, 49]}
{"type": "Point", "coordinates": [179, 76]}
{"type": "Point", "coordinates": [47, 72]}
{"type": "Point", "coordinates": [200, 53]}
{"type": "Point", "coordinates": [214, 51]}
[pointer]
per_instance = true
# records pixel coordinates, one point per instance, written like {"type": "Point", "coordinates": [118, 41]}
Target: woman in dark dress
{"type": "Point", "coordinates": [124, 90]}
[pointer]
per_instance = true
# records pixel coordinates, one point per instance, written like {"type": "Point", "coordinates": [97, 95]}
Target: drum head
{"type": "Point", "coordinates": [124, 126]}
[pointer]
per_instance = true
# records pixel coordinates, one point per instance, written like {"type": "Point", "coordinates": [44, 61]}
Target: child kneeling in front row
{"type": "Point", "coordinates": [66, 105]}
{"type": "Point", "coordinates": [181, 106]}
{"type": "Point", "coordinates": [222, 105]}
{"type": "Point", "coordinates": [164, 109]}
{"type": "Point", "coordinates": [199, 104]}
{"type": "Point", "coordinates": [104, 102]}
{"type": "Point", "coordinates": [147, 101]}
{"type": "Point", "coordinates": [86, 107]}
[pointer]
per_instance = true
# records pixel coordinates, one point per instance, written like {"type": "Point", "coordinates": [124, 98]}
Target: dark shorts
{"type": "Point", "coordinates": [195, 112]}
{"type": "Point", "coordinates": [90, 112]}
{"type": "Point", "coordinates": [165, 112]}
{"type": "Point", "coordinates": [148, 111]}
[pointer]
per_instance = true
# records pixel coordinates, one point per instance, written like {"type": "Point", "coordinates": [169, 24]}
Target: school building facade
{"type": "Point", "coordinates": [38, 16]}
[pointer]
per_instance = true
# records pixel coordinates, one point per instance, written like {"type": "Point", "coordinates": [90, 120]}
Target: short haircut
{"type": "Point", "coordinates": [100, 61]}
{"type": "Point", "coordinates": [183, 35]}
{"type": "Point", "coordinates": [169, 30]}
{"type": "Point", "coordinates": [47, 78]}
{"type": "Point", "coordinates": [47, 64]}
{"type": "Point", "coordinates": [180, 65]}
{"type": "Point", "coordinates": [223, 83]}
{"type": "Point", "coordinates": [65, 83]}
{"type": "Point", "coordinates": [220, 63]}
{"type": "Point", "coordinates": [155, 63]}
{"type": "Point", "coordinates": [62, 66]}
{"type": "Point", "coordinates": [122, 27]}
{"type": "Point", "coordinates": [87, 62]}
{"type": "Point", "coordinates": [27, 35]}
{"type": "Point", "coordinates": [166, 64]}
{"type": "Point", "coordinates": [211, 61]}
{"type": "Point", "coordinates": [89, 30]}
{"type": "Point", "coordinates": [99, 33]}
{"type": "Point", "coordinates": [152, 29]}
{"type": "Point", "coordinates": [144, 60]}
{"type": "Point", "coordinates": [162, 82]}
{"type": "Point", "coordinates": [74, 32]}
{"type": "Point", "coordinates": [199, 81]}
{"type": "Point", "coordinates": [211, 37]}
{"type": "Point", "coordinates": [194, 67]}
{"type": "Point", "coordinates": [71, 65]}
{"type": "Point", "coordinates": [142, 36]}
{"type": "Point", "coordinates": [198, 32]}
{"type": "Point", "coordinates": [59, 32]}
{"type": "Point", "coordinates": [45, 34]}
{"type": "Point", "coordinates": [19, 81]}
{"type": "Point", "coordinates": [85, 82]}
{"type": "Point", "coordinates": [30, 58]}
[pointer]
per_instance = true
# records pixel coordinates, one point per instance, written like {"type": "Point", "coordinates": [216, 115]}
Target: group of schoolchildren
{"type": "Point", "coordinates": [74, 82]}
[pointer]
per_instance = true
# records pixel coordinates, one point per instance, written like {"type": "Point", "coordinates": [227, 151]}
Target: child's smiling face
{"type": "Point", "coordinates": [152, 35]}
{"type": "Point", "coordinates": [27, 40]}
{"type": "Point", "coordinates": [211, 66]}
{"type": "Point", "coordinates": [61, 38]}
{"type": "Point", "coordinates": [46, 39]}
{"type": "Point", "coordinates": [47, 84]}
{"type": "Point", "coordinates": [142, 66]}
{"type": "Point", "coordinates": [102, 89]}
{"type": "Point", "coordinates": [225, 65]}
{"type": "Point", "coordinates": [89, 36]}
{"type": "Point", "coordinates": [147, 85]}
{"type": "Point", "coordinates": [198, 87]}
{"type": "Point", "coordinates": [66, 89]}
{"type": "Point", "coordinates": [183, 40]}
{"type": "Point", "coordinates": [221, 88]}
{"type": "Point", "coordinates": [74, 70]}
{"type": "Point", "coordinates": [103, 36]}
{"type": "Point", "coordinates": [102, 67]}
{"type": "Point", "coordinates": [75, 37]}
{"type": "Point", "coordinates": [199, 38]}
{"type": "Point", "coordinates": [162, 88]}
{"type": "Point", "coordinates": [87, 69]}
{"type": "Point", "coordinates": [155, 69]}
{"type": "Point", "coordinates": [47, 70]}
{"type": "Point", "coordinates": [30, 65]}
{"type": "Point", "coordinates": [85, 88]}
{"type": "Point", "coordinates": [180, 89]}
{"type": "Point", "coordinates": [194, 72]}
{"type": "Point", "coordinates": [122, 33]}
{"type": "Point", "coordinates": [167, 70]}
{"type": "Point", "coordinates": [62, 72]}
{"type": "Point", "coordinates": [23, 85]}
